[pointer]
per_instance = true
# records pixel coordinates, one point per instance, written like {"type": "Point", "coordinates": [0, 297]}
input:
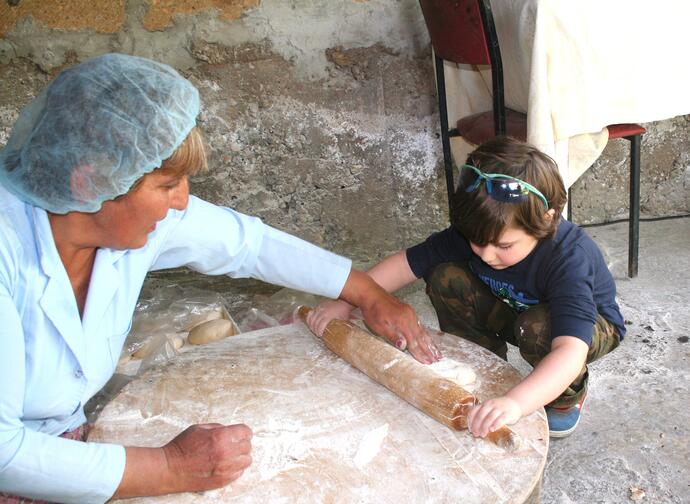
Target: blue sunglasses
{"type": "Point", "coordinates": [500, 187]}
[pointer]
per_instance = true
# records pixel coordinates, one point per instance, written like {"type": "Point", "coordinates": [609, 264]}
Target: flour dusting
{"type": "Point", "coordinates": [390, 364]}
{"type": "Point", "coordinates": [455, 371]}
{"type": "Point", "coordinates": [370, 445]}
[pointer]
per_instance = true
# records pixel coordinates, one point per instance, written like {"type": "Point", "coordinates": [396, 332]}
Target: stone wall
{"type": "Point", "coordinates": [320, 115]}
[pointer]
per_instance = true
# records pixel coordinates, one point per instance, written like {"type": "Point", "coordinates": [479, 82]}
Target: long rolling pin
{"type": "Point", "coordinates": [438, 397]}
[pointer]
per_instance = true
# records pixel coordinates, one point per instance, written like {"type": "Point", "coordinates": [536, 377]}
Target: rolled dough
{"type": "Point", "coordinates": [211, 330]}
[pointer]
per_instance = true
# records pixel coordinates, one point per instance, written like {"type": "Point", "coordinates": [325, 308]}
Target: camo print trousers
{"type": "Point", "coordinates": [466, 307]}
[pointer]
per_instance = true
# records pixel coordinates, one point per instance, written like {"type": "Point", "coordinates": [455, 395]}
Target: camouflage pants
{"type": "Point", "coordinates": [466, 307]}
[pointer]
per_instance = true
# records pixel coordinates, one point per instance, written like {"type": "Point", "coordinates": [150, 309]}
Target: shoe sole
{"type": "Point", "coordinates": [564, 433]}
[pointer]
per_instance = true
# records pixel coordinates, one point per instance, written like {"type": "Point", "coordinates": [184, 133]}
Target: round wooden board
{"type": "Point", "coordinates": [323, 431]}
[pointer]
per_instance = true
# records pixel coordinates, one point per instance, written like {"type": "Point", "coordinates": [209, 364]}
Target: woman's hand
{"type": "Point", "coordinates": [397, 321]}
{"type": "Point", "coordinates": [202, 457]}
{"type": "Point", "coordinates": [208, 456]}
{"type": "Point", "coordinates": [492, 415]}
{"type": "Point", "coordinates": [321, 315]}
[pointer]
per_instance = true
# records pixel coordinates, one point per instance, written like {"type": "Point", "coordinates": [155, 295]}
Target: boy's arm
{"type": "Point", "coordinates": [384, 313]}
{"type": "Point", "coordinates": [545, 383]}
{"type": "Point", "coordinates": [393, 272]}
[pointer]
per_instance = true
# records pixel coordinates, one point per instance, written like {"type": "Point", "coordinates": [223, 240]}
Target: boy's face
{"type": "Point", "coordinates": [513, 246]}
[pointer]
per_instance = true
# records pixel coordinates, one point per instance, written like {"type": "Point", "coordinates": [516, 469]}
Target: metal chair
{"type": "Point", "coordinates": [463, 32]}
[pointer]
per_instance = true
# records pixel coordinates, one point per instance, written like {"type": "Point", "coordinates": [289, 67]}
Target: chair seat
{"type": "Point", "coordinates": [625, 130]}
{"type": "Point", "coordinates": [478, 128]}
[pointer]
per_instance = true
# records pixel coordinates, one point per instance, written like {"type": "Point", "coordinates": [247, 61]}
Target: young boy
{"type": "Point", "coordinates": [509, 270]}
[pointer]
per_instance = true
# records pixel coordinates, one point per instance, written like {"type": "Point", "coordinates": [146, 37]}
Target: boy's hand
{"type": "Point", "coordinates": [492, 415]}
{"type": "Point", "coordinates": [321, 315]}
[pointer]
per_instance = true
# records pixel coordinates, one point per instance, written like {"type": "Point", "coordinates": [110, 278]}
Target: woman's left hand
{"type": "Point", "coordinates": [398, 322]}
{"type": "Point", "coordinates": [388, 316]}
{"type": "Point", "coordinates": [492, 415]}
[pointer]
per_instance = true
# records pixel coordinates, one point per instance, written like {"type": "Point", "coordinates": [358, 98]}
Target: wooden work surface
{"type": "Point", "coordinates": [323, 431]}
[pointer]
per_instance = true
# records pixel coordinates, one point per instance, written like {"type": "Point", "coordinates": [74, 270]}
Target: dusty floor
{"type": "Point", "coordinates": [633, 443]}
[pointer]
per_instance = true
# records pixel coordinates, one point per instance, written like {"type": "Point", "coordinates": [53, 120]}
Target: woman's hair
{"type": "Point", "coordinates": [482, 219]}
{"type": "Point", "coordinates": [189, 158]}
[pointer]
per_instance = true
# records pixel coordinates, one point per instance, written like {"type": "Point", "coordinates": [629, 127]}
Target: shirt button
{"type": "Point", "coordinates": [78, 373]}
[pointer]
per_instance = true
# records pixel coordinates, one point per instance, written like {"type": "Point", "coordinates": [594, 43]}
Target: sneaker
{"type": "Point", "coordinates": [562, 421]}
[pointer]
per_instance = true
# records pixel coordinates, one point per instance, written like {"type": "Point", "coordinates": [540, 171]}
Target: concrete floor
{"type": "Point", "coordinates": [633, 442]}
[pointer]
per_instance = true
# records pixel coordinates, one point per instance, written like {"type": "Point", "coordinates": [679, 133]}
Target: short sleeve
{"type": "Point", "coordinates": [570, 294]}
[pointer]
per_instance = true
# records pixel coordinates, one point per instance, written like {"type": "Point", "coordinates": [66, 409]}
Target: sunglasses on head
{"type": "Point", "coordinates": [500, 187]}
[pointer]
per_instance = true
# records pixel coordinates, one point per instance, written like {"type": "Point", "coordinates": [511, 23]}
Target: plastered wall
{"type": "Point", "coordinates": [320, 115]}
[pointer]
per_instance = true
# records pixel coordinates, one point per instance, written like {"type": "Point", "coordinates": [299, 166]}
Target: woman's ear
{"type": "Point", "coordinates": [81, 183]}
{"type": "Point", "coordinates": [549, 215]}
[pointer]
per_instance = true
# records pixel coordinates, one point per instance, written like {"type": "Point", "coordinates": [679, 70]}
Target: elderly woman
{"type": "Point", "coordinates": [93, 195]}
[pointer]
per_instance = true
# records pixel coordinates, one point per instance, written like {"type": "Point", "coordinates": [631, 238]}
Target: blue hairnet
{"type": "Point", "coordinates": [97, 128]}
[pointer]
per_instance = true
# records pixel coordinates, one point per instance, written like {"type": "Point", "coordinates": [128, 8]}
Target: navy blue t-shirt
{"type": "Point", "coordinates": [568, 272]}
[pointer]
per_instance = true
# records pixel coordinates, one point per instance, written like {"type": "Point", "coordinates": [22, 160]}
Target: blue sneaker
{"type": "Point", "coordinates": [562, 421]}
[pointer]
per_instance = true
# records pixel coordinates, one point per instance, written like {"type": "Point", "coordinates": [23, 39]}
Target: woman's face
{"type": "Point", "coordinates": [126, 221]}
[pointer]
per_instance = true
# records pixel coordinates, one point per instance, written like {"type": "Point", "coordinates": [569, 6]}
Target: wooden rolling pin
{"type": "Point", "coordinates": [438, 397]}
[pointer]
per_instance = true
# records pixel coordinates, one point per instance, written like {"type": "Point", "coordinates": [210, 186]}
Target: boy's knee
{"type": "Point", "coordinates": [447, 279]}
{"type": "Point", "coordinates": [532, 331]}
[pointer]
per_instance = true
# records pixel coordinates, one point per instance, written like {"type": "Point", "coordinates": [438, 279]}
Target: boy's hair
{"type": "Point", "coordinates": [481, 219]}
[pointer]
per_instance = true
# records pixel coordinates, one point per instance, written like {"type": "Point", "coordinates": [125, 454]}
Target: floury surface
{"type": "Point", "coordinates": [633, 442]}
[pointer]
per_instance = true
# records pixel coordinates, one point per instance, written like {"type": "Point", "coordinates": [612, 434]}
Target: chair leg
{"type": "Point", "coordinates": [634, 218]}
{"type": "Point", "coordinates": [445, 137]}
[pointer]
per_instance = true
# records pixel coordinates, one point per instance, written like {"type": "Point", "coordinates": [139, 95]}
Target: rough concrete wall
{"type": "Point", "coordinates": [602, 193]}
{"type": "Point", "coordinates": [320, 115]}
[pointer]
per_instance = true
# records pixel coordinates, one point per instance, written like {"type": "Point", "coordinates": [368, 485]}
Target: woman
{"type": "Point", "coordinates": [93, 195]}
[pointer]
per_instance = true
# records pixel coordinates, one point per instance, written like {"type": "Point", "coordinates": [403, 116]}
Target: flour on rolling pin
{"type": "Point", "coordinates": [447, 368]}
{"type": "Point", "coordinates": [455, 371]}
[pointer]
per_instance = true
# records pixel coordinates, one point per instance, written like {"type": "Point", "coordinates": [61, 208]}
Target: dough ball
{"type": "Point", "coordinates": [205, 316]}
{"type": "Point", "coordinates": [211, 330]}
{"type": "Point", "coordinates": [157, 342]}
{"type": "Point", "coordinates": [177, 342]}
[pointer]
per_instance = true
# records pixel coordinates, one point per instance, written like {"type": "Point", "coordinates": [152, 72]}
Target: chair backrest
{"type": "Point", "coordinates": [463, 31]}
{"type": "Point", "coordinates": [456, 30]}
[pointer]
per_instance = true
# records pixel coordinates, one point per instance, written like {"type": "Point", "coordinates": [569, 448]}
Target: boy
{"type": "Point", "coordinates": [509, 270]}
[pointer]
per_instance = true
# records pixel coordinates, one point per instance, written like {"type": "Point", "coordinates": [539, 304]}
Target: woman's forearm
{"type": "Point", "coordinates": [202, 457]}
{"type": "Point", "coordinates": [146, 473]}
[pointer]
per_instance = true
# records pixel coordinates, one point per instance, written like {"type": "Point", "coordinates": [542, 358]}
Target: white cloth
{"type": "Point", "coordinates": [576, 67]}
{"type": "Point", "coordinates": [52, 362]}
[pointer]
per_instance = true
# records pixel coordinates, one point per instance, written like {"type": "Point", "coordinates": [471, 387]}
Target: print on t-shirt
{"type": "Point", "coordinates": [506, 292]}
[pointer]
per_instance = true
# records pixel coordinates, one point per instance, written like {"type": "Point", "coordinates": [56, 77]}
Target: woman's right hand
{"type": "Point", "coordinates": [207, 456]}
{"type": "Point", "coordinates": [322, 314]}
{"type": "Point", "coordinates": [202, 457]}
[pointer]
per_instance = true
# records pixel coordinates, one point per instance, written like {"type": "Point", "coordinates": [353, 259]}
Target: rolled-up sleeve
{"type": "Point", "coordinates": [38, 465]}
{"type": "Point", "coordinates": [220, 241]}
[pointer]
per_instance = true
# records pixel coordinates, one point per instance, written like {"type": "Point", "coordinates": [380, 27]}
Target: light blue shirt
{"type": "Point", "coordinates": [52, 361]}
